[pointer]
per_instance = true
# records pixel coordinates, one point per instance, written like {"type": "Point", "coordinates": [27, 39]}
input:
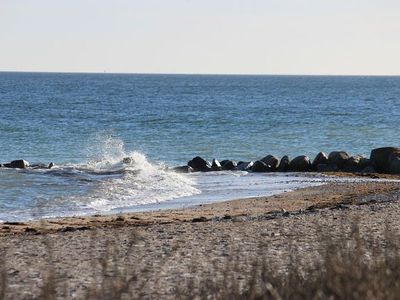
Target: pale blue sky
{"type": "Point", "coordinates": [201, 36]}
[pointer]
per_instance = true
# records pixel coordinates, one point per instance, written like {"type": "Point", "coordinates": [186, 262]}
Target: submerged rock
{"type": "Point", "coordinates": [272, 161]}
{"type": "Point", "coordinates": [200, 164]}
{"type": "Point", "coordinates": [183, 169]}
{"type": "Point", "coordinates": [300, 164]}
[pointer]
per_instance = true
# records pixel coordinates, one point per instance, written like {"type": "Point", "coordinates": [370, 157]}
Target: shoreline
{"type": "Point", "coordinates": [321, 196]}
{"type": "Point", "coordinates": [157, 253]}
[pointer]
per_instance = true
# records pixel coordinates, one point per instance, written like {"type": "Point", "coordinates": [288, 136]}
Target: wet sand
{"type": "Point", "coordinates": [163, 248]}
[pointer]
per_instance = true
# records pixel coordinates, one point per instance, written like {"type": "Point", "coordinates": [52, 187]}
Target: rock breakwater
{"type": "Point", "coordinates": [384, 160]}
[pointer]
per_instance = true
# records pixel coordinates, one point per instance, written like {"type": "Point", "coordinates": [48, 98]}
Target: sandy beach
{"type": "Point", "coordinates": [159, 251]}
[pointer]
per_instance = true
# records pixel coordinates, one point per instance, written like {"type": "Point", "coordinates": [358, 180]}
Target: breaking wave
{"type": "Point", "coordinates": [113, 178]}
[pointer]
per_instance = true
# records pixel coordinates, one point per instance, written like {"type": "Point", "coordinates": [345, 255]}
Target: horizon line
{"type": "Point", "coordinates": [200, 74]}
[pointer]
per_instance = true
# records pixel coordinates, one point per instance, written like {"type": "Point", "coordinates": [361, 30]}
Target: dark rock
{"type": "Point", "coordinates": [50, 165]}
{"type": "Point", "coordinates": [224, 161]}
{"type": "Point", "coordinates": [200, 164]}
{"type": "Point", "coordinates": [327, 168]}
{"type": "Point", "coordinates": [300, 164]}
{"type": "Point", "coordinates": [216, 166]}
{"type": "Point", "coordinates": [368, 170]}
{"type": "Point", "coordinates": [284, 164]}
{"type": "Point", "coordinates": [271, 160]}
{"type": "Point", "coordinates": [338, 158]}
{"type": "Point", "coordinates": [19, 164]}
{"type": "Point", "coordinates": [229, 165]}
{"type": "Point", "coordinates": [321, 158]}
{"type": "Point", "coordinates": [183, 169]}
{"type": "Point", "coordinates": [244, 166]}
{"type": "Point", "coordinates": [381, 158]}
{"type": "Point", "coordinates": [395, 165]}
{"type": "Point", "coordinates": [354, 164]}
{"type": "Point", "coordinates": [260, 166]}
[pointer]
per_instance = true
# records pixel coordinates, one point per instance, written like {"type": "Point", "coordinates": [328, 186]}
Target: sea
{"type": "Point", "coordinates": [89, 124]}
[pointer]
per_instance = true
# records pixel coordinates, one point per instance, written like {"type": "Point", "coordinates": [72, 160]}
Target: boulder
{"type": "Point", "coordinates": [180, 169]}
{"type": "Point", "coordinates": [300, 164]}
{"type": "Point", "coordinates": [327, 168]}
{"type": "Point", "coordinates": [229, 165]}
{"type": "Point", "coordinates": [260, 166]}
{"type": "Point", "coordinates": [200, 164]}
{"type": "Point", "coordinates": [19, 164]}
{"type": "Point", "coordinates": [321, 158]}
{"type": "Point", "coordinates": [338, 158]}
{"type": "Point", "coordinates": [354, 164]}
{"type": "Point", "coordinates": [395, 165]}
{"type": "Point", "coordinates": [381, 158]}
{"type": "Point", "coordinates": [368, 170]}
{"type": "Point", "coordinates": [224, 161]}
{"type": "Point", "coordinates": [284, 164]}
{"type": "Point", "coordinates": [244, 166]}
{"type": "Point", "coordinates": [216, 166]}
{"type": "Point", "coordinates": [271, 160]}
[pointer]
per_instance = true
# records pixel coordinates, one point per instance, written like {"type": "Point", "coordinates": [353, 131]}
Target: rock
{"type": "Point", "coordinates": [19, 164]}
{"type": "Point", "coordinates": [271, 160]}
{"type": "Point", "coordinates": [284, 164]}
{"type": "Point", "coordinates": [368, 170]}
{"type": "Point", "coordinates": [224, 162]}
{"type": "Point", "coordinates": [50, 165]}
{"type": "Point", "coordinates": [321, 158]}
{"type": "Point", "coordinates": [229, 165]}
{"type": "Point", "coordinates": [244, 166]}
{"type": "Point", "coordinates": [338, 158]}
{"type": "Point", "coordinates": [380, 157]}
{"type": "Point", "coordinates": [38, 166]}
{"type": "Point", "coordinates": [183, 169]}
{"type": "Point", "coordinates": [354, 164]}
{"type": "Point", "coordinates": [327, 168]}
{"type": "Point", "coordinates": [200, 164]}
{"type": "Point", "coordinates": [216, 166]}
{"type": "Point", "coordinates": [260, 166]}
{"type": "Point", "coordinates": [395, 165]}
{"type": "Point", "coordinates": [300, 164]}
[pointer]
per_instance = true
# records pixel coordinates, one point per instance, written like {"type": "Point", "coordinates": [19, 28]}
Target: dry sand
{"type": "Point", "coordinates": [162, 249]}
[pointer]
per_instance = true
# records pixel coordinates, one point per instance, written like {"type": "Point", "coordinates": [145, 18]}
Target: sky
{"type": "Point", "coordinates": [327, 37]}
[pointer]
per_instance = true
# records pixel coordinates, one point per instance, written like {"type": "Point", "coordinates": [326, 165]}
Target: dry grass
{"type": "Point", "coordinates": [354, 266]}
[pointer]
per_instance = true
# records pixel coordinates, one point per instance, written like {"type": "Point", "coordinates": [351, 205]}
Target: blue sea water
{"type": "Point", "coordinates": [87, 123]}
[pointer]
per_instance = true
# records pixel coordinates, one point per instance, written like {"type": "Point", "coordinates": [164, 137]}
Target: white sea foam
{"type": "Point", "coordinates": [132, 180]}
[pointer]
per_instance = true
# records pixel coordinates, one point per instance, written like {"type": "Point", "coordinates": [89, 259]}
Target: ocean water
{"type": "Point", "coordinates": [88, 123]}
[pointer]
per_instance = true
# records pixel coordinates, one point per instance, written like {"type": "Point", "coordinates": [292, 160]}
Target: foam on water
{"type": "Point", "coordinates": [115, 180]}
{"type": "Point", "coordinates": [111, 179]}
